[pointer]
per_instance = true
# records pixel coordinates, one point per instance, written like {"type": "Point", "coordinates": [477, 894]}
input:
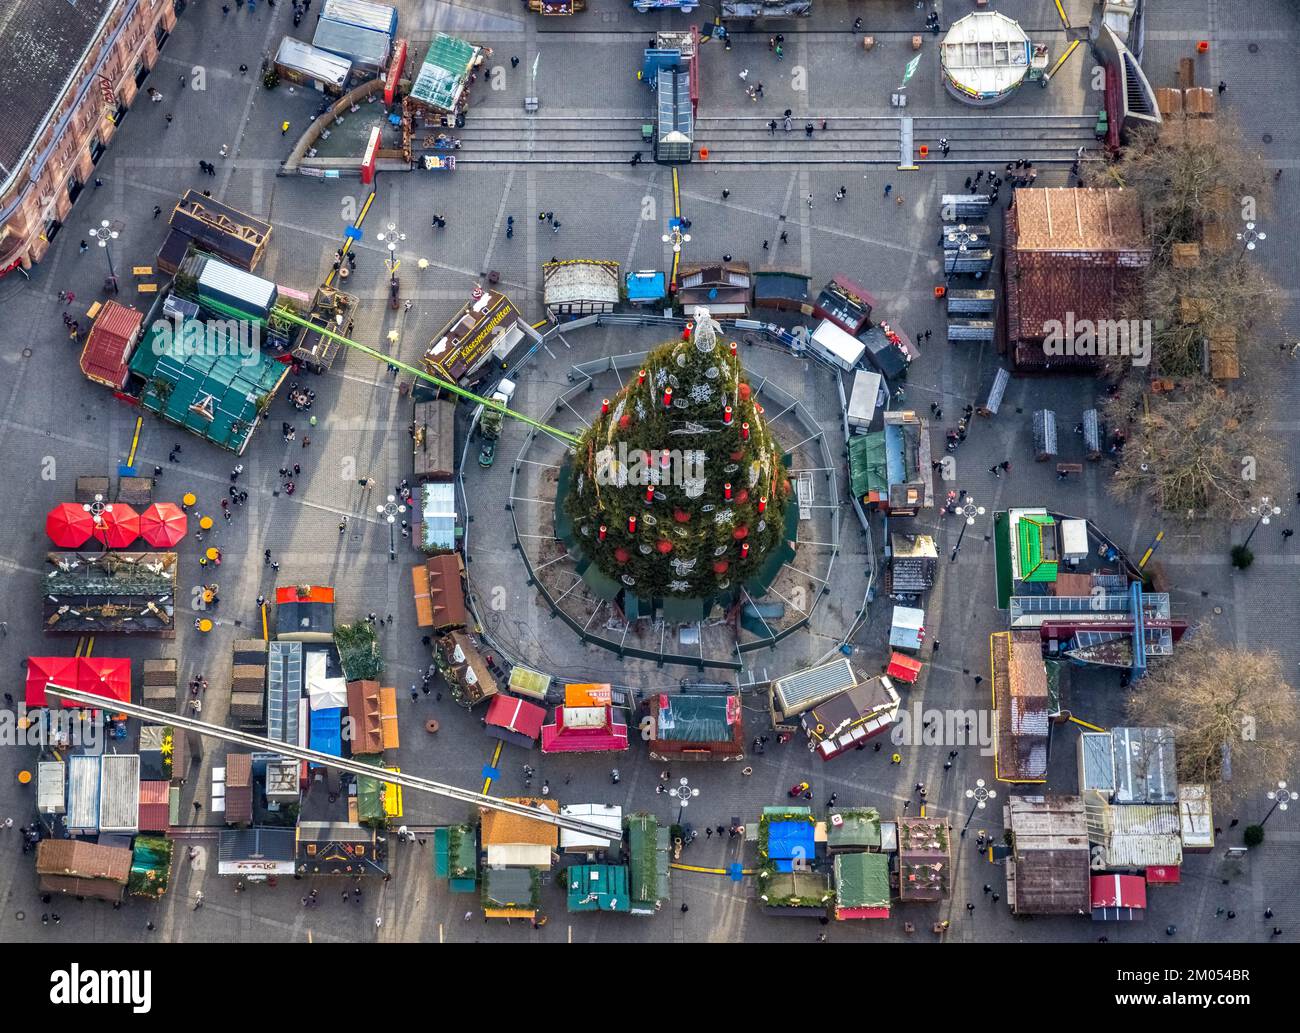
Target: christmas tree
{"type": "Point", "coordinates": [678, 488]}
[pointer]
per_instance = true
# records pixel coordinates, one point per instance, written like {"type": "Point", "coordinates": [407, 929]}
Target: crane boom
{"type": "Point", "coordinates": [401, 778]}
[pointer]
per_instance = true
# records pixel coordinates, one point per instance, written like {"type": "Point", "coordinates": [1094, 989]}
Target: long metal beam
{"type": "Point", "coordinates": [259, 742]}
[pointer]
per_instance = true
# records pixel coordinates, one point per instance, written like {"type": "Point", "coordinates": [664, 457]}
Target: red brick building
{"type": "Point", "coordinates": [72, 72]}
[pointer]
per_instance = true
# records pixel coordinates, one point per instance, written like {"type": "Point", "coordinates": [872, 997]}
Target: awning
{"type": "Point", "coordinates": [163, 525]}
{"type": "Point", "coordinates": [1165, 875]}
{"type": "Point", "coordinates": [43, 670]}
{"type": "Point", "coordinates": [1118, 891]}
{"type": "Point", "coordinates": [68, 525]}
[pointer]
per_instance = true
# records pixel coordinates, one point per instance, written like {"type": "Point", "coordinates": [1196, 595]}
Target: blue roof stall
{"type": "Point", "coordinates": [790, 844]}
{"type": "Point", "coordinates": [646, 287]}
{"type": "Point", "coordinates": [327, 731]}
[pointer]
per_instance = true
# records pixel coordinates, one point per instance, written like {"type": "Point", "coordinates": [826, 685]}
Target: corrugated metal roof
{"type": "Point", "coordinates": [119, 793]}
{"type": "Point", "coordinates": [1145, 765]}
{"type": "Point", "coordinates": [319, 64]}
{"type": "Point", "coordinates": [1080, 219]}
{"type": "Point", "coordinates": [76, 858]}
{"type": "Point", "coordinates": [363, 46]}
{"type": "Point", "coordinates": [363, 13]}
{"type": "Point", "coordinates": [1097, 771]}
{"type": "Point", "coordinates": [228, 279]}
{"type": "Point", "coordinates": [83, 792]}
{"type": "Point", "coordinates": [284, 690]}
{"type": "Point", "coordinates": [797, 692]}
{"type": "Point", "coordinates": [107, 352]}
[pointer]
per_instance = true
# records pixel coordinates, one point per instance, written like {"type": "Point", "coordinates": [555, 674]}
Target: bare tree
{"type": "Point", "coordinates": [1198, 452]}
{"type": "Point", "coordinates": [1233, 715]}
{"type": "Point", "coordinates": [1199, 184]}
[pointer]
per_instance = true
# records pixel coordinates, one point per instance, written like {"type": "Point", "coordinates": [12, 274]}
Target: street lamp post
{"type": "Point", "coordinates": [389, 511]}
{"type": "Point", "coordinates": [1263, 511]}
{"type": "Point", "coordinates": [103, 233]}
{"type": "Point", "coordinates": [981, 794]}
{"type": "Point", "coordinates": [97, 508]}
{"type": "Point", "coordinates": [1282, 798]}
{"type": "Point", "coordinates": [970, 511]}
{"type": "Point", "coordinates": [1250, 238]}
{"type": "Point", "coordinates": [684, 793]}
{"type": "Point", "coordinates": [390, 239]}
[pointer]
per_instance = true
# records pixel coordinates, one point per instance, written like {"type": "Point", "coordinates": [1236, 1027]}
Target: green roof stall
{"type": "Point", "coordinates": [455, 856]}
{"type": "Point", "coordinates": [370, 794]}
{"type": "Point", "coordinates": [861, 886]}
{"type": "Point", "coordinates": [214, 391]}
{"type": "Point", "coordinates": [857, 829]}
{"type": "Point", "coordinates": [444, 74]}
{"type": "Point", "coordinates": [648, 863]}
{"type": "Point", "coordinates": [598, 887]}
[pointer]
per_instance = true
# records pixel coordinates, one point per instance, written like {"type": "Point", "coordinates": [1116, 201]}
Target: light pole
{"type": "Point", "coordinates": [1263, 511]}
{"type": "Point", "coordinates": [97, 508]}
{"type": "Point", "coordinates": [675, 236]}
{"type": "Point", "coordinates": [970, 511]}
{"type": "Point", "coordinates": [683, 792]}
{"type": "Point", "coordinates": [389, 511]}
{"type": "Point", "coordinates": [103, 233]}
{"type": "Point", "coordinates": [390, 239]}
{"type": "Point", "coordinates": [1282, 798]}
{"type": "Point", "coordinates": [1249, 237]}
{"type": "Point", "coordinates": [981, 794]}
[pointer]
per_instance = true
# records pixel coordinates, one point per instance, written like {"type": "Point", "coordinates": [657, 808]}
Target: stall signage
{"type": "Point", "coordinates": [368, 159]}
{"type": "Point", "coordinates": [259, 867]}
{"type": "Point", "coordinates": [395, 71]}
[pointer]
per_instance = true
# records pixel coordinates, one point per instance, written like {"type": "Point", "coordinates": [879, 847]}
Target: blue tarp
{"type": "Point", "coordinates": [788, 841]}
{"type": "Point", "coordinates": [646, 287]}
{"type": "Point", "coordinates": [327, 731]}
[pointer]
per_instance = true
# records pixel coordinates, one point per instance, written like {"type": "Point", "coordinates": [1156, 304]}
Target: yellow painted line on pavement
{"type": "Point", "coordinates": [347, 241]}
{"type": "Point", "coordinates": [1062, 59]}
{"type": "Point", "coordinates": [266, 633]}
{"type": "Point", "coordinates": [709, 871]}
{"type": "Point", "coordinates": [135, 441]}
{"type": "Point", "coordinates": [677, 197]}
{"type": "Point", "coordinates": [81, 644]}
{"type": "Point", "coordinates": [1061, 11]}
{"type": "Point", "coordinates": [1085, 724]}
{"type": "Point", "coordinates": [90, 644]}
{"type": "Point", "coordinates": [496, 756]}
{"type": "Point", "coordinates": [1160, 537]}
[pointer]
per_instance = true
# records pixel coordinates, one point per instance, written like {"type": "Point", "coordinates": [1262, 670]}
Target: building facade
{"type": "Point", "coordinates": [77, 70]}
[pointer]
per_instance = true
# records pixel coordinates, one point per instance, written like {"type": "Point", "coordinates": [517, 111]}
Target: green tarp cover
{"type": "Point", "coordinates": [563, 525]}
{"type": "Point", "coordinates": [867, 468]}
{"type": "Point", "coordinates": [694, 719]}
{"type": "Point", "coordinates": [211, 391]}
{"type": "Point", "coordinates": [1002, 557]}
{"type": "Point", "coordinates": [861, 828]}
{"type": "Point", "coordinates": [151, 866]}
{"type": "Point", "coordinates": [600, 584]}
{"type": "Point", "coordinates": [447, 66]}
{"type": "Point", "coordinates": [1034, 566]}
{"type": "Point", "coordinates": [370, 794]}
{"type": "Point", "coordinates": [682, 611]}
{"type": "Point", "coordinates": [862, 880]}
{"type": "Point", "coordinates": [455, 853]}
{"type": "Point", "coordinates": [512, 888]}
{"type": "Point", "coordinates": [647, 851]}
{"type": "Point", "coordinates": [598, 887]}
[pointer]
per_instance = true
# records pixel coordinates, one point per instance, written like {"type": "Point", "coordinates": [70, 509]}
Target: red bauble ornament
{"type": "Point", "coordinates": [744, 390]}
{"type": "Point", "coordinates": [664, 546]}
{"type": "Point", "coordinates": [738, 455]}
{"type": "Point", "coordinates": [681, 516]}
{"type": "Point", "coordinates": [720, 567]}
{"type": "Point", "coordinates": [624, 422]}
{"type": "Point", "coordinates": [622, 555]}
{"type": "Point", "coordinates": [743, 496]}
{"type": "Point", "coordinates": [740, 532]}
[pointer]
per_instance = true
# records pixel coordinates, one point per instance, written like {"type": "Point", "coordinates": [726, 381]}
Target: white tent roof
{"type": "Point", "coordinates": [609, 816]}
{"type": "Point", "coordinates": [324, 693]}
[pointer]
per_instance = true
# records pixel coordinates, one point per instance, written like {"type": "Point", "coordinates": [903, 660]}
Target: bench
{"type": "Point", "coordinates": [93, 311]}
{"type": "Point", "coordinates": [142, 270]}
{"type": "Point", "coordinates": [1065, 469]}
{"type": "Point", "coordinates": [148, 288]}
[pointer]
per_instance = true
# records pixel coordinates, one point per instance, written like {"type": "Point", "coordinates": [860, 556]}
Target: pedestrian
{"type": "Point", "coordinates": [1287, 532]}
{"type": "Point", "coordinates": [685, 907]}
{"type": "Point", "coordinates": [284, 128]}
{"type": "Point", "coordinates": [1222, 87]}
{"type": "Point", "coordinates": [168, 117]}
{"type": "Point", "coordinates": [996, 897]}
{"type": "Point", "coordinates": [243, 69]}
{"type": "Point", "coordinates": [969, 907]}
{"type": "Point", "coordinates": [810, 202]}
{"type": "Point", "coordinates": [514, 62]}
{"type": "Point", "coordinates": [889, 187]}
{"type": "Point", "coordinates": [780, 54]}
{"type": "Point", "coordinates": [744, 74]}
{"type": "Point", "coordinates": [225, 9]}
{"type": "Point", "coordinates": [808, 130]}
{"type": "Point", "coordinates": [765, 245]}
{"type": "Point", "coordinates": [725, 193]}
{"type": "Point", "coordinates": [785, 237]}
{"type": "Point", "coordinates": [157, 211]}
{"type": "Point", "coordinates": [771, 127]}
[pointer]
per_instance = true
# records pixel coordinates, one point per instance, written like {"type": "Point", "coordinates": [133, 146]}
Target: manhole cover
{"type": "Point", "coordinates": [27, 353]}
{"type": "Point", "coordinates": [1267, 138]}
{"type": "Point", "coordinates": [1218, 610]}
{"type": "Point", "coordinates": [20, 915]}
{"type": "Point", "coordinates": [1253, 48]}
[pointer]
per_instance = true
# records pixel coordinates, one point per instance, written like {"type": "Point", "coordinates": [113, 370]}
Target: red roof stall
{"type": "Point", "coordinates": [155, 811]}
{"type": "Point", "coordinates": [1118, 898]}
{"type": "Point", "coordinates": [109, 677]}
{"type": "Point", "coordinates": [515, 720]}
{"type": "Point", "coordinates": [584, 730]}
{"type": "Point", "coordinates": [1165, 875]}
{"type": "Point", "coordinates": [903, 668]}
{"type": "Point", "coordinates": [105, 358]}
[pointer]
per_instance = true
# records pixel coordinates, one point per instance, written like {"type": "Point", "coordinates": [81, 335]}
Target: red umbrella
{"type": "Point", "coordinates": [118, 526]}
{"type": "Point", "coordinates": [68, 525]}
{"type": "Point", "coordinates": [163, 524]}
